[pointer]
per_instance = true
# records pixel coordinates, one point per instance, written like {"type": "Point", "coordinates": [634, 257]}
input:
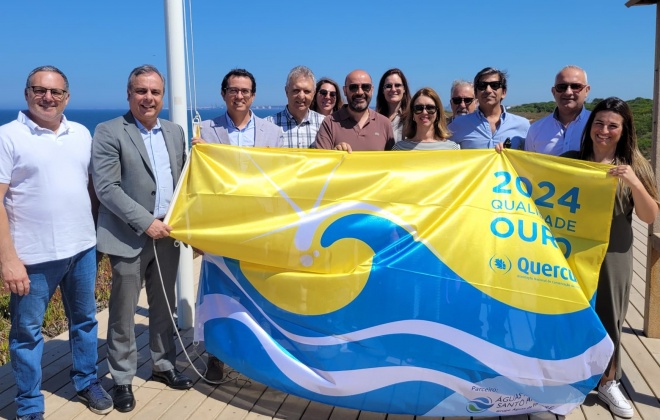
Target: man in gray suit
{"type": "Point", "coordinates": [239, 126]}
{"type": "Point", "coordinates": [136, 161]}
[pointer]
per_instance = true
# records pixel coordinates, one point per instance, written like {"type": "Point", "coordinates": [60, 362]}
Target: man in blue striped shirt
{"type": "Point", "coordinates": [299, 123]}
{"type": "Point", "coordinates": [491, 124]}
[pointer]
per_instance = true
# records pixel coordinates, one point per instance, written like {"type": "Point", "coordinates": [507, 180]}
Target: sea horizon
{"type": "Point", "coordinates": [91, 117]}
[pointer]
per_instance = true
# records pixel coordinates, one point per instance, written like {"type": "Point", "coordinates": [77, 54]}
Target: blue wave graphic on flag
{"type": "Point", "coordinates": [418, 339]}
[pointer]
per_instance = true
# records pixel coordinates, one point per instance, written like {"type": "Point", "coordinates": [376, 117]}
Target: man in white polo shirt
{"type": "Point", "coordinates": [47, 239]}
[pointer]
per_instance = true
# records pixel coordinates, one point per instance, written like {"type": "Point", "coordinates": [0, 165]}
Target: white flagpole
{"type": "Point", "coordinates": [176, 82]}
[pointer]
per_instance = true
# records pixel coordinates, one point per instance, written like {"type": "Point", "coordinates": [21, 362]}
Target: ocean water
{"type": "Point", "coordinates": [90, 118]}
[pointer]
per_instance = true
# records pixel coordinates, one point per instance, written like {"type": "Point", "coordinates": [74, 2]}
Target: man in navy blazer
{"type": "Point", "coordinates": [239, 126]}
{"type": "Point", "coordinates": [136, 161]}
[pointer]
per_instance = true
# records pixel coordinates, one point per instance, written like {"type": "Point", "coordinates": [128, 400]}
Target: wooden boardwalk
{"type": "Point", "coordinates": [242, 399]}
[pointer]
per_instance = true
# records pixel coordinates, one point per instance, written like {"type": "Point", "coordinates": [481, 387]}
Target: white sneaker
{"type": "Point", "coordinates": [611, 395]}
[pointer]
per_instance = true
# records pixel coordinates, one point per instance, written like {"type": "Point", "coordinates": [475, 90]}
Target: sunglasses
{"type": "Point", "coordinates": [366, 87]}
{"type": "Point", "coordinates": [493, 85]}
{"type": "Point", "coordinates": [324, 92]}
{"type": "Point", "coordinates": [392, 85]}
{"type": "Point", "coordinates": [457, 100]}
{"type": "Point", "coordinates": [418, 109]}
{"type": "Point", "coordinates": [575, 87]}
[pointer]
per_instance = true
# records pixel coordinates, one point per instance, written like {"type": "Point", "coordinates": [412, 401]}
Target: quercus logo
{"type": "Point", "coordinates": [500, 264]}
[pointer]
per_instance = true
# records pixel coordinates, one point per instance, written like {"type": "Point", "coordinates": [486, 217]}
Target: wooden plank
{"type": "Point", "coordinates": [653, 346]}
{"type": "Point", "coordinates": [217, 401]}
{"type": "Point", "coordinates": [544, 415]}
{"type": "Point", "coordinates": [404, 417]}
{"type": "Point", "coordinates": [369, 415]}
{"type": "Point", "coordinates": [514, 417]}
{"type": "Point", "coordinates": [576, 414]}
{"type": "Point", "coordinates": [189, 402]}
{"type": "Point", "coordinates": [254, 416]}
{"type": "Point", "coordinates": [65, 396]}
{"type": "Point", "coordinates": [594, 409]}
{"type": "Point", "coordinates": [243, 401]}
{"type": "Point", "coordinates": [270, 402]}
{"type": "Point", "coordinates": [341, 413]}
{"type": "Point", "coordinates": [294, 407]}
{"type": "Point", "coordinates": [637, 384]}
{"type": "Point", "coordinates": [642, 364]}
{"type": "Point", "coordinates": [163, 399]}
{"type": "Point", "coordinates": [314, 411]}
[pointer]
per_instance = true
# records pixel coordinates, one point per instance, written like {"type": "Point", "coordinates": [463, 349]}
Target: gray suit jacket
{"type": "Point", "coordinates": [125, 184]}
{"type": "Point", "coordinates": [266, 134]}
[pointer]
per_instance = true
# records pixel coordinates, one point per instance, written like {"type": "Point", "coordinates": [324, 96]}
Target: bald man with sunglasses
{"type": "Point", "coordinates": [561, 131]}
{"type": "Point", "coordinates": [355, 127]}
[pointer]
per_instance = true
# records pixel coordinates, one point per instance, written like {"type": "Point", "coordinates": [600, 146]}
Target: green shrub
{"type": "Point", "coordinates": [55, 321]}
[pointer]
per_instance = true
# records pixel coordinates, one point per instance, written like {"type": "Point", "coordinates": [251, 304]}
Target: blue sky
{"type": "Point", "coordinates": [97, 42]}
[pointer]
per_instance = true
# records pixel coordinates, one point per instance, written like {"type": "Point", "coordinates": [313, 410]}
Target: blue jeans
{"type": "Point", "coordinates": [76, 277]}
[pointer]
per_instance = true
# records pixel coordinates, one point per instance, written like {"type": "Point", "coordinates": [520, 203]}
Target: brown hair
{"type": "Point", "coordinates": [627, 152]}
{"type": "Point", "coordinates": [381, 102]}
{"type": "Point", "coordinates": [338, 102]}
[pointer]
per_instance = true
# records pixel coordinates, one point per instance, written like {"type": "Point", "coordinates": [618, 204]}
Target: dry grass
{"type": "Point", "coordinates": [55, 321]}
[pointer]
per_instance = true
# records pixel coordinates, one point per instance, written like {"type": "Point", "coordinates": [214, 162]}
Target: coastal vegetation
{"type": "Point", "coordinates": [55, 321]}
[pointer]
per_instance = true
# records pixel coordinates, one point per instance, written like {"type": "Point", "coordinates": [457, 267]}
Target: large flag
{"type": "Point", "coordinates": [449, 283]}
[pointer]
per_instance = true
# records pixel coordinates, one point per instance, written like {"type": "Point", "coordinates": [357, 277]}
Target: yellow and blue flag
{"type": "Point", "coordinates": [449, 283]}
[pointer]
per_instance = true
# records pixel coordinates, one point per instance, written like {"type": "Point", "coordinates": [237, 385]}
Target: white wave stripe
{"type": "Point", "coordinates": [351, 382]}
{"type": "Point", "coordinates": [538, 372]}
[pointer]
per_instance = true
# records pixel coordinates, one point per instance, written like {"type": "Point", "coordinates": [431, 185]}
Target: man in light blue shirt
{"type": "Point", "coordinates": [160, 162]}
{"type": "Point", "coordinates": [239, 126]}
{"type": "Point", "coordinates": [561, 131]}
{"type": "Point", "coordinates": [490, 124]}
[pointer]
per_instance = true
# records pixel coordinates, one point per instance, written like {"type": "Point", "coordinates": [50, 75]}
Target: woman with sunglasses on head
{"type": "Point", "coordinates": [327, 98]}
{"type": "Point", "coordinates": [393, 99]}
{"type": "Point", "coordinates": [609, 137]}
{"type": "Point", "coordinates": [425, 126]}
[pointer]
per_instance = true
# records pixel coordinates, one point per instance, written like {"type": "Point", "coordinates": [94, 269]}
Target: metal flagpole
{"type": "Point", "coordinates": [176, 83]}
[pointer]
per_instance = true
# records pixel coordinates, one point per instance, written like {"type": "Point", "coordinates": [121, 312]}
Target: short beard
{"type": "Point", "coordinates": [354, 108]}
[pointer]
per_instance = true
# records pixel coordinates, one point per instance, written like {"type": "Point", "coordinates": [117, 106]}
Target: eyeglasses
{"type": "Point", "coordinates": [324, 92]}
{"type": "Point", "coordinates": [232, 91]}
{"type": "Point", "coordinates": [493, 85]}
{"type": "Point", "coordinates": [418, 109]}
{"type": "Point", "coordinates": [366, 87]}
{"type": "Point", "coordinates": [457, 100]}
{"type": "Point", "coordinates": [575, 87]}
{"type": "Point", "coordinates": [392, 85]}
{"type": "Point", "coordinates": [39, 91]}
